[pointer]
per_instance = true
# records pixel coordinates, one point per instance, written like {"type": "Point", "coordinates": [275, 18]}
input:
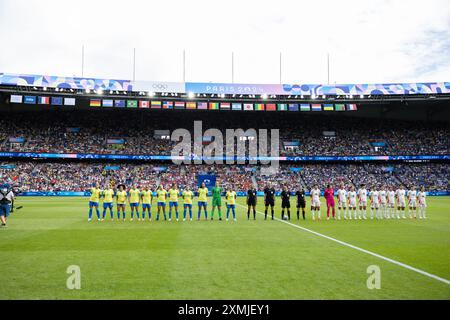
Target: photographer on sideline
{"type": "Point", "coordinates": [6, 200]}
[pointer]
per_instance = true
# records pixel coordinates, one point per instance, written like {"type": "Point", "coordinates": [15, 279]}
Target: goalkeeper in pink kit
{"type": "Point", "coordinates": [329, 197]}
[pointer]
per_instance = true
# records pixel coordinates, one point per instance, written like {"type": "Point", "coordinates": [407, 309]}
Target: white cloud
{"type": "Point", "coordinates": [376, 41]}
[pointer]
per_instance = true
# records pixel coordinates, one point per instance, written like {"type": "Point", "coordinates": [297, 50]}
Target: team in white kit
{"type": "Point", "coordinates": [385, 203]}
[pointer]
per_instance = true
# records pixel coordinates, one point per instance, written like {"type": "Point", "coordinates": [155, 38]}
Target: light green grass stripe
{"type": "Point", "coordinates": [430, 275]}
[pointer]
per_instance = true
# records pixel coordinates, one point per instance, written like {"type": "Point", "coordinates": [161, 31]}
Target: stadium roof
{"type": "Point", "coordinates": [193, 89]}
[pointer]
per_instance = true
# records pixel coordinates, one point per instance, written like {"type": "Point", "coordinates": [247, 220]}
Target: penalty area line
{"type": "Point", "coordinates": [427, 274]}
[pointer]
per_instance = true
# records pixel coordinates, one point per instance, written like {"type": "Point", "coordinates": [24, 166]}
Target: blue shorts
{"type": "Point", "coordinates": [173, 204]}
{"type": "Point", "coordinates": [134, 204]}
{"type": "Point", "coordinates": [107, 205]}
{"type": "Point", "coordinates": [93, 203]}
{"type": "Point", "coordinates": [5, 209]}
{"type": "Point", "coordinates": [187, 205]}
{"type": "Point", "coordinates": [161, 204]}
{"type": "Point", "coordinates": [146, 206]}
{"type": "Point", "coordinates": [202, 204]}
{"type": "Point", "coordinates": [121, 205]}
{"type": "Point", "coordinates": [231, 206]}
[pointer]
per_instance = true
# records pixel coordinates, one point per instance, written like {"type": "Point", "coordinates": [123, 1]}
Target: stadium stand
{"type": "Point", "coordinates": [54, 132]}
{"type": "Point", "coordinates": [73, 176]}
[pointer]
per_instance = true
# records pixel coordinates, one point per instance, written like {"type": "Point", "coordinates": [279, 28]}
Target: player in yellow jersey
{"type": "Point", "coordinates": [231, 203]}
{"type": "Point", "coordinates": [161, 196]}
{"type": "Point", "coordinates": [133, 198]}
{"type": "Point", "coordinates": [108, 195]}
{"type": "Point", "coordinates": [202, 200]}
{"type": "Point", "coordinates": [173, 201]}
{"type": "Point", "coordinates": [121, 198]}
{"type": "Point", "coordinates": [187, 195]}
{"type": "Point", "coordinates": [146, 199]}
{"type": "Point", "coordinates": [93, 201]}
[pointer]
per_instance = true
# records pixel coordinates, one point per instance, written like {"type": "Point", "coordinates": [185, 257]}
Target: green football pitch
{"type": "Point", "coordinates": [221, 260]}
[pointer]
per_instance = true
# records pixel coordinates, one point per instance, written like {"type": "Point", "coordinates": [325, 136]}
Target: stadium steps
{"type": "Point", "coordinates": [303, 182]}
{"type": "Point", "coordinates": [254, 182]}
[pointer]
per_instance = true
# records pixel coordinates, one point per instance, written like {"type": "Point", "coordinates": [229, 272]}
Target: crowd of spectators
{"type": "Point", "coordinates": [76, 176]}
{"type": "Point", "coordinates": [51, 132]}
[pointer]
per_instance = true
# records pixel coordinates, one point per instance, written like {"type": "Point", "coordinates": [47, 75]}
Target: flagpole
{"type": "Point", "coordinates": [328, 68]}
{"type": "Point", "coordinates": [232, 67]}
{"type": "Point", "coordinates": [184, 65]}
{"type": "Point", "coordinates": [280, 67]}
{"type": "Point", "coordinates": [134, 64]}
{"type": "Point", "coordinates": [82, 61]}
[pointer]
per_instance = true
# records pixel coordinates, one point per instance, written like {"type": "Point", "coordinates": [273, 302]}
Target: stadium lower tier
{"type": "Point", "coordinates": [75, 176]}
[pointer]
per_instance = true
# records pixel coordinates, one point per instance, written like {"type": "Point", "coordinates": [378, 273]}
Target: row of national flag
{"type": "Point", "coordinates": [237, 106]}
{"type": "Point", "coordinates": [55, 101]}
{"type": "Point", "coordinates": [189, 105]}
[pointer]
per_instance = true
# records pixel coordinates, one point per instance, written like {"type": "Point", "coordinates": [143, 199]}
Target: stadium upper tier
{"type": "Point", "coordinates": [52, 177]}
{"type": "Point", "coordinates": [123, 132]}
{"type": "Point", "coordinates": [77, 83]}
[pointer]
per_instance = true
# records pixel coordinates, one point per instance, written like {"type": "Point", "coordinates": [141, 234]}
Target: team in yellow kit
{"type": "Point", "coordinates": [137, 198]}
{"type": "Point", "coordinates": [94, 199]}
{"type": "Point", "coordinates": [146, 198]}
{"type": "Point", "coordinates": [173, 201]}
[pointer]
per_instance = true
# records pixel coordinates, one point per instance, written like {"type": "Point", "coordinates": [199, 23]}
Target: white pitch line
{"type": "Point", "coordinates": [362, 250]}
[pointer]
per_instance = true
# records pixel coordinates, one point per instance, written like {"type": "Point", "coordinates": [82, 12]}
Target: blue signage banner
{"type": "Point", "coordinates": [164, 157]}
{"type": "Point", "coordinates": [238, 193]}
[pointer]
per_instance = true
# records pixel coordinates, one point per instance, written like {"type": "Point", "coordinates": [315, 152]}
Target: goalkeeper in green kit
{"type": "Point", "coordinates": [217, 200]}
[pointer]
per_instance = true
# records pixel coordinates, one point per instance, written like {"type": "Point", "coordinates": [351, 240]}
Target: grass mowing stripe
{"type": "Point", "coordinates": [361, 249]}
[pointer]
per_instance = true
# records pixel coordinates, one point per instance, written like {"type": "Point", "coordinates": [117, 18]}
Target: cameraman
{"type": "Point", "coordinates": [6, 200]}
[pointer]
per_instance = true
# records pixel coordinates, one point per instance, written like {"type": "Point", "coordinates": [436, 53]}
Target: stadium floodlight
{"type": "Point", "coordinates": [351, 96]}
{"type": "Point", "coordinates": [313, 96]}
{"type": "Point", "coordinates": [301, 96]}
{"type": "Point", "coordinates": [222, 95]}
{"type": "Point", "coordinates": [191, 95]}
{"type": "Point", "coordinates": [44, 88]}
{"type": "Point", "coordinates": [324, 96]}
{"type": "Point", "coordinates": [361, 96]}
{"type": "Point", "coordinates": [100, 91]}
{"type": "Point", "coordinates": [151, 94]}
{"type": "Point", "coordinates": [264, 96]}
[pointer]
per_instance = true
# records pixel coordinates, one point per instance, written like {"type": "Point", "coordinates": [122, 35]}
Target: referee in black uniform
{"type": "Point", "coordinates": [251, 203]}
{"type": "Point", "coordinates": [269, 200]}
{"type": "Point", "coordinates": [301, 203]}
{"type": "Point", "coordinates": [285, 203]}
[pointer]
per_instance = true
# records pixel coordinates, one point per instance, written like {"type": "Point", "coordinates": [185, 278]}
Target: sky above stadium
{"type": "Point", "coordinates": [367, 41]}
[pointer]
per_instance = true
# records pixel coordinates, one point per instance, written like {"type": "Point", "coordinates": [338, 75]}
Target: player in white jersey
{"type": "Point", "coordinates": [391, 203]}
{"type": "Point", "coordinates": [342, 201]}
{"type": "Point", "coordinates": [362, 198]}
{"type": "Point", "coordinates": [383, 201]}
{"type": "Point", "coordinates": [422, 203]}
{"type": "Point", "coordinates": [374, 203]}
{"type": "Point", "coordinates": [315, 202]}
{"type": "Point", "coordinates": [412, 203]}
{"type": "Point", "coordinates": [401, 202]}
{"type": "Point", "coordinates": [352, 202]}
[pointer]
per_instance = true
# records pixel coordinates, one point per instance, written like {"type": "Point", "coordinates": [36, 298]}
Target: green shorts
{"type": "Point", "coordinates": [216, 202]}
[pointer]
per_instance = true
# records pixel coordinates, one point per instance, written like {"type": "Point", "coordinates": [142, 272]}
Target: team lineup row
{"type": "Point", "coordinates": [384, 203]}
